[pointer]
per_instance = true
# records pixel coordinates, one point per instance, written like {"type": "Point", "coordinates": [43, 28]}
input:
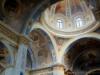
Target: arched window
{"type": "Point", "coordinates": [60, 23]}
{"type": "Point", "coordinates": [79, 22]}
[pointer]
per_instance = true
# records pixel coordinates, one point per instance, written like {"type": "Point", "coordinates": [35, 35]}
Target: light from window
{"type": "Point", "coordinates": [60, 23]}
{"type": "Point", "coordinates": [79, 22]}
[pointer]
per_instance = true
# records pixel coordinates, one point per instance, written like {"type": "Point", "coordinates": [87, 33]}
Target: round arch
{"type": "Point", "coordinates": [9, 50]}
{"type": "Point", "coordinates": [51, 44]}
{"type": "Point", "coordinates": [93, 72]}
{"type": "Point", "coordinates": [8, 62]}
{"type": "Point", "coordinates": [66, 46]}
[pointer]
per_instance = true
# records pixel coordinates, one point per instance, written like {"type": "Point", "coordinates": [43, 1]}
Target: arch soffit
{"type": "Point", "coordinates": [39, 26]}
{"type": "Point", "coordinates": [64, 49]}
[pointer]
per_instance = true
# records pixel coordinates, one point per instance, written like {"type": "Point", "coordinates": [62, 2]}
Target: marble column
{"type": "Point", "coordinates": [21, 60]}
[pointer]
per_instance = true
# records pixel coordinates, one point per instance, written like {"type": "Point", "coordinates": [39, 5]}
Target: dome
{"type": "Point", "coordinates": [69, 18]}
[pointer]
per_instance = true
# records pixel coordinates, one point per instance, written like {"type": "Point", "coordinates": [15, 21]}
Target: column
{"type": "Point", "coordinates": [21, 60]}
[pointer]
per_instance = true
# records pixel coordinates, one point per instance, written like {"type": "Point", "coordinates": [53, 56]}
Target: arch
{"type": "Point", "coordinates": [65, 47]}
{"type": "Point", "coordinates": [94, 72]}
{"type": "Point", "coordinates": [48, 46]}
{"type": "Point", "coordinates": [9, 50]}
{"type": "Point", "coordinates": [10, 57]}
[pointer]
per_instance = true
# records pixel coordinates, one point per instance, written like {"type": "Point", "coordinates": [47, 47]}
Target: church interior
{"type": "Point", "coordinates": [49, 37]}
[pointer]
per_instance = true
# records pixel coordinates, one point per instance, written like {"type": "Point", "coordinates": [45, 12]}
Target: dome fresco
{"type": "Point", "coordinates": [68, 17]}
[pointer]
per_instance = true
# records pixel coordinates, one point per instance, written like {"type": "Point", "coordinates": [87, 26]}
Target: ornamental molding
{"type": "Point", "coordinates": [12, 36]}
